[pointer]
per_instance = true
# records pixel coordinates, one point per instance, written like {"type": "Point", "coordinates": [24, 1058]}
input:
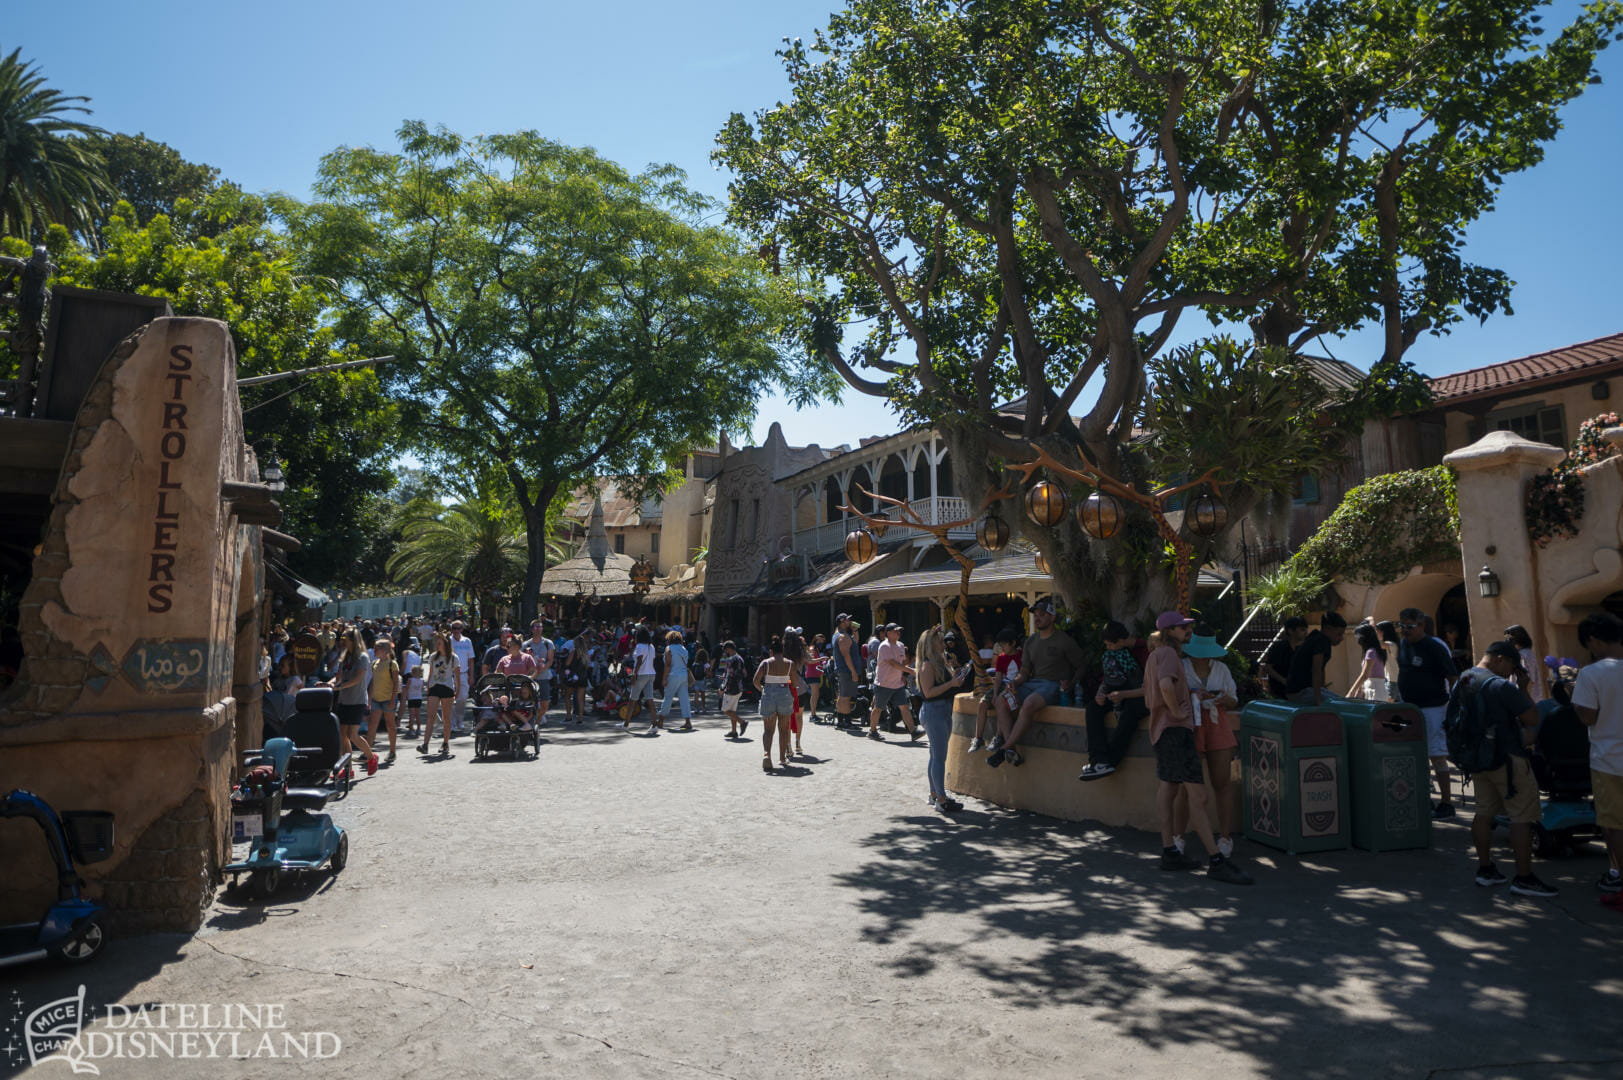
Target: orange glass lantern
{"type": "Point", "coordinates": [860, 546]}
{"type": "Point", "coordinates": [1046, 503]}
{"type": "Point", "coordinates": [1100, 515]}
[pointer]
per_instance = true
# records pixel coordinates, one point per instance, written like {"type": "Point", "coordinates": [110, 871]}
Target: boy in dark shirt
{"type": "Point", "coordinates": [1121, 690]}
{"type": "Point", "coordinates": [1276, 662]}
{"type": "Point", "coordinates": [1305, 684]}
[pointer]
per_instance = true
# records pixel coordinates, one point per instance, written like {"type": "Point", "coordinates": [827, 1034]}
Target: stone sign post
{"type": "Point", "coordinates": [129, 690]}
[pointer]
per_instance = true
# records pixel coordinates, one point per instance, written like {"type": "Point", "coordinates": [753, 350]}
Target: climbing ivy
{"type": "Point", "coordinates": [1382, 528]}
{"type": "Point", "coordinates": [1555, 499]}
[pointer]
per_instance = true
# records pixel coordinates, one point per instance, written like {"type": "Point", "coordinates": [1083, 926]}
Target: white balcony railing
{"type": "Point", "coordinates": [822, 539]}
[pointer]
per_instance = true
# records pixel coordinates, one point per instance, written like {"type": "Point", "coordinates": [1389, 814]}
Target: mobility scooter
{"type": "Point", "coordinates": [279, 818]}
{"type": "Point", "coordinates": [71, 929]}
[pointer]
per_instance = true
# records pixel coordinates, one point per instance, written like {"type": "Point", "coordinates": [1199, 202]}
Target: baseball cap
{"type": "Point", "coordinates": [1505, 650]}
{"type": "Point", "coordinates": [1168, 619]}
{"type": "Point", "coordinates": [841, 617]}
{"type": "Point", "coordinates": [1044, 604]}
{"type": "Point", "coordinates": [891, 626]}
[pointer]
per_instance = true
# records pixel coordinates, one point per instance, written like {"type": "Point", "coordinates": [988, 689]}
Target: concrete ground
{"type": "Point", "coordinates": [637, 906]}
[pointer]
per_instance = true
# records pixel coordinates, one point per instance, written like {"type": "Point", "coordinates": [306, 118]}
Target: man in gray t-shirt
{"type": "Point", "coordinates": [1050, 661]}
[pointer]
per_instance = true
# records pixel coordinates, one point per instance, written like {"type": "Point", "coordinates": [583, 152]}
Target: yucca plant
{"type": "Point", "coordinates": [1290, 590]}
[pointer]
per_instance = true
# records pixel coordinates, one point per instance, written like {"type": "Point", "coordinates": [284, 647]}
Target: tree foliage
{"type": "Point", "coordinates": [152, 178]}
{"type": "Point", "coordinates": [50, 172]}
{"type": "Point", "coordinates": [476, 543]}
{"type": "Point", "coordinates": [221, 258]}
{"type": "Point", "coordinates": [1382, 529]}
{"type": "Point", "coordinates": [1025, 196]}
{"type": "Point", "coordinates": [555, 316]}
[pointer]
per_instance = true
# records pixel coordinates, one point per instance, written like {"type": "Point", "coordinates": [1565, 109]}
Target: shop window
{"type": "Point", "coordinates": [1537, 421]}
{"type": "Point", "coordinates": [1307, 489]}
{"type": "Point", "coordinates": [620, 543]}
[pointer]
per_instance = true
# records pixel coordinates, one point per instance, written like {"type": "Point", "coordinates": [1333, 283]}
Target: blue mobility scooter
{"type": "Point", "coordinates": [72, 929]}
{"type": "Point", "coordinates": [276, 805]}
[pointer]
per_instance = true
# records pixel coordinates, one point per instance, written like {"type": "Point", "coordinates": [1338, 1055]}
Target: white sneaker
{"type": "Point", "coordinates": [974, 745]}
{"type": "Point", "coordinates": [1225, 846]}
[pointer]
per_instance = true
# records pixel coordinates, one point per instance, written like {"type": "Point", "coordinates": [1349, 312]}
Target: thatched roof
{"type": "Point", "coordinates": [596, 567]}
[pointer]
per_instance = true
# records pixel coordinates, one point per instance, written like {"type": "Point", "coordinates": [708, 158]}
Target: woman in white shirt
{"type": "Point", "coordinates": [642, 675]}
{"type": "Point", "coordinates": [1213, 694]}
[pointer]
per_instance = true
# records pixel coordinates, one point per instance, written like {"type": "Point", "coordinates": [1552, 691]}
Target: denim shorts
{"type": "Point", "coordinates": [1047, 689]}
{"type": "Point", "coordinates": [777, 700]}
{"type": "Point", "coordinates": [886, 696]}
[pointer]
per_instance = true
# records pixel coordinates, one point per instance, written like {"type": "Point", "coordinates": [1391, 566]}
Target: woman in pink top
{"type": "Point", "coordinates": [1371, 681]}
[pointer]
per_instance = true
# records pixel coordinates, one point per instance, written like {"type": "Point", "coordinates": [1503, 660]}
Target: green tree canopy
{"type": "Point", "coordinates": [152, 178]}
{"type": "Point", "coordinates": [50, 172]}
{"type": "Point", "coordinates": [1025, 196]}
{"type": "Point", "coordinates": [332, 432]}
{"type": "Point", "coordinates": [555, 316]}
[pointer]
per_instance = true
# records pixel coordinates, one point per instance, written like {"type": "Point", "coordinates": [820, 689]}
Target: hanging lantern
{"type": "Point", "coordinates": [1046, 503]}
{"type": "Point", "coordinates": [992, 533]}
{"type": "Point", "coordinates": [1487, 583]}
{"type": "Point", "coordinates": [860, 546]}
{"type": "Point", "coordinates": [1207, 515]}
{"type": "Point", "coordinates": [1042, 563]}
{"type": "Point", "coordinates": [1100, 515]}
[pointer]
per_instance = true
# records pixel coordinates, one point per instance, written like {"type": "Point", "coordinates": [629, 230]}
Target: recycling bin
{"type": "Point", "coordinates": [1294, 773]}
{"type": "Point", "coordinates": [1388, 774]}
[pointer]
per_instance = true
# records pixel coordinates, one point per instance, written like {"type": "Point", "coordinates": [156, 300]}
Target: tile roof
{"type": "Point", "coordinates": [1599, 354]}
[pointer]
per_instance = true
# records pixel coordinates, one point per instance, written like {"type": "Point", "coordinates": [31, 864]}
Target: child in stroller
{"type": "Point", "coordinates": [507, 705]}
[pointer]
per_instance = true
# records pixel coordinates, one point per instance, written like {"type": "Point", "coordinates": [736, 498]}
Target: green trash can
{"type": "Point", "coordinates": [1390, 776]}
{"type": "Point", "coordinates": [1294, 771]}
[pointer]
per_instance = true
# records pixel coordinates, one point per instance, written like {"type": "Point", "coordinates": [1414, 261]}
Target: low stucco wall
{"type": "Point", "coordinates": [1055, 749]}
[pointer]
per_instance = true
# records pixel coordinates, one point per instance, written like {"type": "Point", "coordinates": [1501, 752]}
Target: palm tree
{"type": "Point", "coordinates": [48, 172]}
{"type": "Point", "coordinates": [474, 544]}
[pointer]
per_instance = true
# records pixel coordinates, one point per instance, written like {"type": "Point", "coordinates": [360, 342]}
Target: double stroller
{"type": "Point", "coordinates": [506, 707]}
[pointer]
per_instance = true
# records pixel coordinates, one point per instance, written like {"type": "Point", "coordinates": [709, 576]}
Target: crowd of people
{"type": "Point", "coordinates": [420, 674]}
{"type": "Point", "coordinates": [1512, 692]}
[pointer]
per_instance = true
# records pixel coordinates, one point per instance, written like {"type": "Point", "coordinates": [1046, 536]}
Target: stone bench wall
{"type": "Point", "coordinates": [1055, 749]}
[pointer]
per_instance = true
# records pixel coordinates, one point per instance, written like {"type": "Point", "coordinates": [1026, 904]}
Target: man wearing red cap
{"type": "Point", "coordinates": [1177, 760]}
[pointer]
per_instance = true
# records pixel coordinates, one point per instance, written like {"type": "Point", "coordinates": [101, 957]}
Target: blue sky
{"type": "Point", "coordinates": [262, 90]}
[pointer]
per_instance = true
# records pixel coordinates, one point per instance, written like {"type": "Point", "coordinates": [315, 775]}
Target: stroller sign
{"type": "Point", "coordinates": [52, 1033]}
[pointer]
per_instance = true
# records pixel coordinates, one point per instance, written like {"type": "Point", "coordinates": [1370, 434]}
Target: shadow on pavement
{"type": "Point", "coordinates": [1342, 964]}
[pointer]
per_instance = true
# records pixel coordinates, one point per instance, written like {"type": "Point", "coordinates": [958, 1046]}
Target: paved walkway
{"type": "Point", "coordinates": [635, 906]}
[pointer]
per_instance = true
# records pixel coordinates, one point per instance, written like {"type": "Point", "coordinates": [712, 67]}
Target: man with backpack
{"type": "Point", "coordinates": [1488, 729]}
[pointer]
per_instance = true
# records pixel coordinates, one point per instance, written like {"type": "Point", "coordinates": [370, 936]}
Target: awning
{"type": "Point", "coordinates": [291, 586]}
{"type": "Point", "coordinates": [1008, 574]}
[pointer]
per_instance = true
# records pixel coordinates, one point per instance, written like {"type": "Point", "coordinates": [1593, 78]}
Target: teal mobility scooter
{"type": "Point", "coordinates": [276, 805]}
{"type": "Point", "coordinates": [71, 930]}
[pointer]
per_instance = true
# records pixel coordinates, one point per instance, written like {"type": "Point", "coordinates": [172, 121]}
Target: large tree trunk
{"type": "Point", "coordinates": [1097, 579]}
{"type": "Point", "coordinates": [535, 540]}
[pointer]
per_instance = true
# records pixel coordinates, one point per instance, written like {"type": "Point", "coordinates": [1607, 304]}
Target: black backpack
{"type": "Point", "coordinates": [1475, 741]}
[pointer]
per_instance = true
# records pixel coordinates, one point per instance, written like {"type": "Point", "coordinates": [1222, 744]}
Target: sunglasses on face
{"type": "Point", "coordinates": [1410, 626]}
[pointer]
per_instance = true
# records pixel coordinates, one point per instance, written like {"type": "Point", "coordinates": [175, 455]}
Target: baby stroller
{"type": "Point", "coordinates": [506, 716]}
{"type": "Point", "coordinates": [1561, 766]}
